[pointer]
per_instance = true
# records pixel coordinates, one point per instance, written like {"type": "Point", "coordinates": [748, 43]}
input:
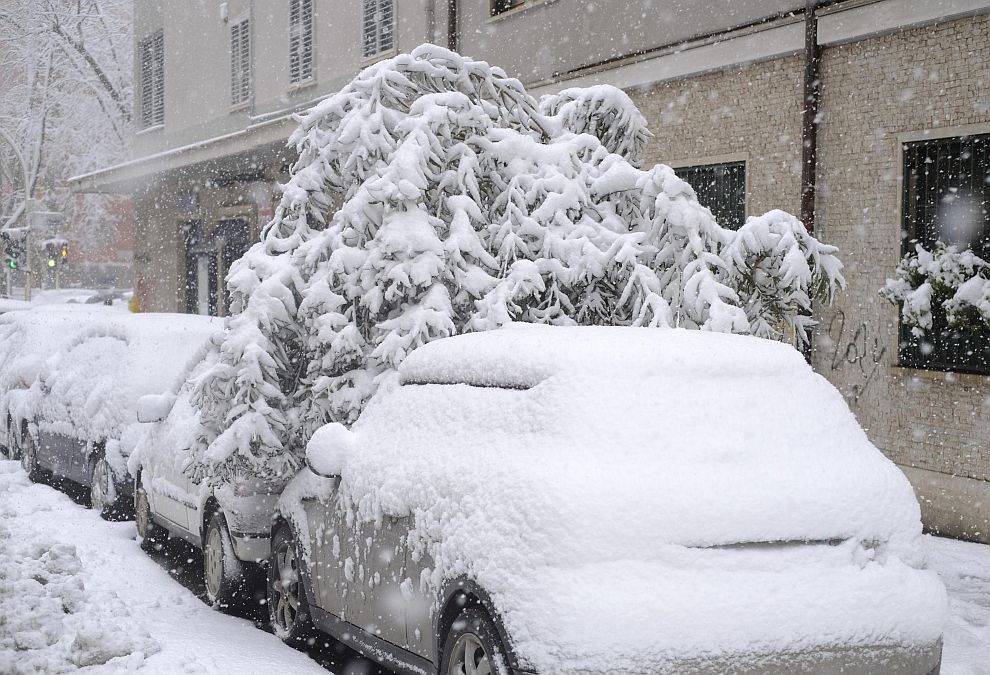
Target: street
{"type": "Point", "coordinates": [163, 626]}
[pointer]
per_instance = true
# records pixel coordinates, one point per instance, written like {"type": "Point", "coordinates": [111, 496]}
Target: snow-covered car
{"type": "Point", "coordinates": [229, 521]}
{"type": "Point", "coordinates": [81, 407]}
{"type": "Point", "coordinates": [607, 500]}
{"type": "Point", "coordinates": [29, 337]}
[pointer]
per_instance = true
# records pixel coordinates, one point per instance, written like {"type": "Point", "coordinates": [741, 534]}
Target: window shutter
{"type": "Point", "coordinates": [378, 22]}
{"type": "Point", "coordinates": [300, 40]}
{"type": "Point", "coordinates": [240, 62]}
{"type": "Point", "coordinates": [152, 80]}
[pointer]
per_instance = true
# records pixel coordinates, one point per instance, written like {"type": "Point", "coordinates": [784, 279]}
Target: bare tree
{"type": "Point", "coordinates": [65, 70]}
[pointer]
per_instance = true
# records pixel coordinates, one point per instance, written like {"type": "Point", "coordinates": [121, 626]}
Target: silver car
{"type": "Point", "coordinates": [610, 500]}
{"type": "Point", "coordinates": [230, 522]}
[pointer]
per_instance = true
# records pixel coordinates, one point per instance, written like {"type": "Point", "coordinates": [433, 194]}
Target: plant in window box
{"type": "Point", "coordinates": [943, 280]}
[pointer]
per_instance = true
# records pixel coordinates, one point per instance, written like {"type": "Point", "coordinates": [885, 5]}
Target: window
{"type": "Point", "coordinates": [497, 7]}
{"type": "Point", "coordinates": [379, 26]}
{"type": "Point", "coordinates": [152, 80]}
{"type": "Point", "coordinates": [946, 198]}
{"type": "Point", "coordinates": [240, 62]}
{"type": "Point", "coordinates": [722, 188]}
{"type": "Point", "coordinates": [300, 40]}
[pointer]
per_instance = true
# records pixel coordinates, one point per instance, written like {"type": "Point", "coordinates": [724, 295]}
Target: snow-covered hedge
{"type": "Point", "coordinates": [956, 281]}
{"type": "Point", "coordinates": [433, 196]}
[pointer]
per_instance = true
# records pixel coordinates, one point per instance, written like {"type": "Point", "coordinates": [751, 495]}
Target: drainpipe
{"type": "Point", "coordinates": [452, 32]}
{"type": "Point", "coordinates": [809, 126]}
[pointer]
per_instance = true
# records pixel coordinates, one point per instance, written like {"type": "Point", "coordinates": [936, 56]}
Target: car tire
{"type": "Point", "coordinates": [29, 459]}
{"type": "Point", "coordinates": [473, 636]}
{"type": "Point", "coordinates": [223, 573]}
{"type": "Point", "coordinates": [288, 609]}
{"type": "Point", "coordinates": [10, 442]}
{"type": "Point", "coordinates": [151, 537]}
{"type": "Point", "coordinates": [101, 492]}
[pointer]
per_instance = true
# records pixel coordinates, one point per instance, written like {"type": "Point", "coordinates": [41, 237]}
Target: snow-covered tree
{"type": "Point", "coordinates": [433, 196]}
{"type": "Point", "coordinates": [956, 281]}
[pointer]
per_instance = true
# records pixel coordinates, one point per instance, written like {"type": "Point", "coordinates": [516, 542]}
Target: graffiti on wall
{"type": "Point", "coordinates": [856, 349]}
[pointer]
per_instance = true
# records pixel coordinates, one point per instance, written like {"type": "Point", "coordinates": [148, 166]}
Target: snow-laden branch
{"type": "Point", "coordinates": [957, 282]}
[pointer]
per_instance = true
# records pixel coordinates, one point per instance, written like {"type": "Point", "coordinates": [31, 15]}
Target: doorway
{"type": "Point", "coordinates": [209, 256]}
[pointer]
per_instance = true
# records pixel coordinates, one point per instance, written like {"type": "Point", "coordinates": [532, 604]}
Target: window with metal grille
{"type": "Point", "coordinates": [947, 198]}
{"type": "Point", "coordinates": [152, 80]}
{"type": "Point", "coordinates": [300, 40]}
{"type": "Point", "coordinates": [240, 62]}
{"type": "Point", "coordinates": [720, 187]}
{"type": "Point", "coordinates": [378, 21]}
{"type": "Point", "coordinates": [497, 7]}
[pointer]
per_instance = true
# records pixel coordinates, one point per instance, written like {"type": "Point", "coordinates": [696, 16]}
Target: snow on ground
{"type": "Point", "coordinates": [965, 570]}
{"type": "Point", "coordinates": [76, 590]}
{"type": "Point", "coordinates": [98, 600]}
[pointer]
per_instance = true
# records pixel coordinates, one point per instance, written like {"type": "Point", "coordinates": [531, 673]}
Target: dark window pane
{"type": "Point", "coordinates": [722, 188]}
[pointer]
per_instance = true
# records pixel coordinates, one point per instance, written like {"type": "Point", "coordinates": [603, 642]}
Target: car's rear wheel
{"type": "Point", "coordinates": [152, 537]}
{"type": "Point", "coordinates": [287, 605]}
{"type": "Point", "coordinates": [29, 459]}
{"type": "Point", "coordinates": [222, 571]}
{"type": "Point", "coordinates": [100, 488]}
{"type": "Point", "coordinates": [472, 646]}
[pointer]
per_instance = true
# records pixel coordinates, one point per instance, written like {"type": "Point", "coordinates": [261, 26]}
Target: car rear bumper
{"type": "Point", "coordinates": [865, 660]}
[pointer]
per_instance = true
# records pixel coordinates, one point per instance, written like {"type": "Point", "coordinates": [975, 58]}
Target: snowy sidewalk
{"type": "Point", "coordinates": [126, 606]}
{"type": "Point", "coordinates": [76, 591]}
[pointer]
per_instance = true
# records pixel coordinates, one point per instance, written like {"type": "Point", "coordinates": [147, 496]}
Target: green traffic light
{"type": "Point", "coordinates": [11, 264]}
{"type": "Point", "coordinates": [51, 263]}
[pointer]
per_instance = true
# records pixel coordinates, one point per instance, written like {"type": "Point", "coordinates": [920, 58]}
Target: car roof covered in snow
{"type": "Point", "coordinates": [523, 355]}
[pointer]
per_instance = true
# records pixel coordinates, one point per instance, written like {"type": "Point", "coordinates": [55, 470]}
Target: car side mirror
{"type": "Point", "coordinates": [154, 407]}
{"type": "Point", "coordinates": [328, 449]}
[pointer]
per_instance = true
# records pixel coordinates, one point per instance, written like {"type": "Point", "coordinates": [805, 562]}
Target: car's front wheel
{"type": "Point", "coordinates": [29, 459]}
{"type": "Point", "coordinates": [152, 536]}
{"type": "Point", "coordinates": [10, 441]}
{"type": "Point", "coordinates": [472, 646]}
{"type": "Point", "coordinates": [287, 605]}
{"type": "Point", "coordinates": [223, 572]}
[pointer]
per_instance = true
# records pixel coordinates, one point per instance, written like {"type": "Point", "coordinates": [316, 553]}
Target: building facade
{"type": "Point", "coordinates": [899, 131]}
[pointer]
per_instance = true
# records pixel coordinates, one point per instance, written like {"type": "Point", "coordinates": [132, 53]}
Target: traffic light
{"type": "Point", "coordinates": [13, 246]}
{"type": "Point", "coordinates": [56, 253]}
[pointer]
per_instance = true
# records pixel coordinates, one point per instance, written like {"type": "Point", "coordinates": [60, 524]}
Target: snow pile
{"type": "Point", "coordinates": [607, 508]}
{"type": "Point", "coordinates": [434, 196]}
{"type": "Point", "coordinates": [50, 622]}
{"type": "Point", "coordinates": [957, 282]}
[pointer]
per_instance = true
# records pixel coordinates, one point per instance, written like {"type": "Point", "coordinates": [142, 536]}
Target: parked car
{"type": "Point", "coordinates": [607, 500]}
{"type": "Point", "coordinates": [30, 336]}
{"type": "Point", "coordinates": [229, 522]}
{"type": "Point", "coordinates": [81, 407]}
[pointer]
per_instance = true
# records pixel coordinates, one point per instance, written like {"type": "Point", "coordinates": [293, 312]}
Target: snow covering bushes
{"type": "Point", "coordinates": [50, 622]}
{"type": "Point", "coordinates": [434, 196]}
{"type": "Point", "coordinates": [957, 282]}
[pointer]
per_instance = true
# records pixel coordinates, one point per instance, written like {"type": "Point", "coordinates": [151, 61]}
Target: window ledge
{"type": "Point", "coordinates": [380, 56]}
{"type": "Point", "coordinates": [238, 107]}
{"type": "Point", "coordinates": [526, 4]}
{"type": "Point", "coordinates": [149, 130]}
{"type": "Point", "coordinates": [301, 84]}
{"type": "Point", "coordinates": [947, 376]}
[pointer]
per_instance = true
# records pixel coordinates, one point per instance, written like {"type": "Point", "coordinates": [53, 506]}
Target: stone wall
{"type": "Point", "coordinates": [752, 110]}
{"type": "Point", "coordinates": [932, 81]}
{"type": "Point", "coordinates": [877, 93]}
